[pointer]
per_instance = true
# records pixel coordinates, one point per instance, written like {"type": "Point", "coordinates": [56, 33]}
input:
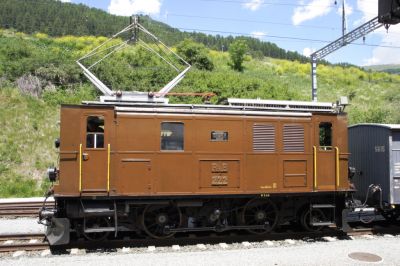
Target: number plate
{"type": "Point", "coordinates": [219, 180]}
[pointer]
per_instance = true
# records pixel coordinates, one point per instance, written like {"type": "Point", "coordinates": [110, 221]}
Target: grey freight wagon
{"type": "Point", "coordinates": [375, 155]}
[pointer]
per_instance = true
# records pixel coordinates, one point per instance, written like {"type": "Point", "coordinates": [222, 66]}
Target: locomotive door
{"type": "Point", "coordinates": [325, 153]}
{"type": "Point", "coordinates": [95, 153]}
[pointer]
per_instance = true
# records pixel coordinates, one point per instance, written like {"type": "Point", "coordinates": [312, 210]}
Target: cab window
{"type": "Point", "coordinates": [325, 136]}
{"type": "Point", "coordinates": [172, 136]}
{"type": "Point", "coordinates": [95, 132]}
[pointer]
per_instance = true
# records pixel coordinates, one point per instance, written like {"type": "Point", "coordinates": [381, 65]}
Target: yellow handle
{"type": "Point", "coordinates": [315, 166]}
{"type": "Point", "coordinates": [108, 168]}
{"type": "Point", "coordinates": [80, 167]}
{"type": "Point", "coordinates": [337, 166]}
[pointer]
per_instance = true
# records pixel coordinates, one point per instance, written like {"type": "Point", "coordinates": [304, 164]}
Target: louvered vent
{"type": "Point", "coordinates": [264, 137]}
{"type": "Point", "coordinates": [293, 138]}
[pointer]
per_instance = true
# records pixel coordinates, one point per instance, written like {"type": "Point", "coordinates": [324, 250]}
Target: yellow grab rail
{"type": "Point", "coordinates": [337, 166]}
{"type": "Point", "coordinates": [315, 166]}
{"type": "Point", "coordinates": [108, 168]}
{"type": "Point", "coordinates": [80, 167]}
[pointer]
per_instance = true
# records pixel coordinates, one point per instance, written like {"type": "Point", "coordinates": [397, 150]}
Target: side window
{"type": "Point", "coordinates": [95, 132]}
{"type": "Point", "coordinates": [325, 136]}
{"type": "Point", "coordinates": [172, 136]}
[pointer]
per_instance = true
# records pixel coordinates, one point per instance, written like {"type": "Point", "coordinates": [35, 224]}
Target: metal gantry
{"type": "Point", "coordinates": [353, 35]}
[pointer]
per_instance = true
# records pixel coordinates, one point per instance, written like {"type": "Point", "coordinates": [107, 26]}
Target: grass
{"type": "Point", "coordinates": [26, 149]}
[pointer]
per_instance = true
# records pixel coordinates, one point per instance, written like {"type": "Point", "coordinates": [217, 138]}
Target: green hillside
{"type": "Point", "coordinates": [392, 69]}
{"type": "Point", "coordinates": [38, 72]}
{"type": "Point", "coordinates": [56, 18]}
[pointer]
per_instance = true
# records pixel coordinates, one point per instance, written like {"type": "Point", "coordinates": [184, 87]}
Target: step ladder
{"type": "Point", "coordinates": [100, 212]}
{"type": "Point", "coordinates": [322, 207]}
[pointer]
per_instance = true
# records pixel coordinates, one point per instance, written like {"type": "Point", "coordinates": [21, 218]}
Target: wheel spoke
{"type": "Point", "coordinates": [256, 208]}
{"type": "Point", "coordinates": [151, 214]}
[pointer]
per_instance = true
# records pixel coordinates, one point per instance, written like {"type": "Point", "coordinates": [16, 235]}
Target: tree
{"type": "Point", "coordinates": [237, 51]}
{"type": "Point", "coordinates": [195, 54]}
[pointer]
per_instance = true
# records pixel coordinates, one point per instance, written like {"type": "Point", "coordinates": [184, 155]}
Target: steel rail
{"type": "Point", "coordinates": [30, 208]}
{"type": "Point", "coordinates": [22, 243]}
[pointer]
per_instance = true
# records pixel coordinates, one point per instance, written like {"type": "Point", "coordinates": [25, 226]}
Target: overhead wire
{"type": "Point", "coordinates": [251, 21]}
{"type": "Point", "coordinates": [282, 37]}
{"type": "Point", "coordinates": [264, 3]}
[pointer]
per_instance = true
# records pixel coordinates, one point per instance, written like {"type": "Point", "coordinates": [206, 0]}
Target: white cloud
{"type": "Point", "coordinates": [258, 34]}
{"type": "Point", "coordinates": [253, 5]}
{"type": "Point", "coordinates": [385, 55]}
{"type": "Point", "coordinates": [130, 7]}
{"type": "Point", "coordinates": [311, 10]}
{"type": "Point", "coordinates": [380, 55]}
{"type": "Point", "coordinates": [66, 1]}
{"type": "Point", "coordinates": [369, 10]}
{"type": "Point", "coordinates": [308, 51]}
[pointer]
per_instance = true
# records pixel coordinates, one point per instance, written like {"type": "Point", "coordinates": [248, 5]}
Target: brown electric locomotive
{"type": "Point", "coordinates": [156, 169]}
{"type": "Point", "coordinates": [133, 165]}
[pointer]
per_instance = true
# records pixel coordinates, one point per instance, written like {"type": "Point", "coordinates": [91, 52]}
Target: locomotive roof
{"type": "Point", "coordinates": [235, 107]}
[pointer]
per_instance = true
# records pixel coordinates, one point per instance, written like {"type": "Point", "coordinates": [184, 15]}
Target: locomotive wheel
{"type": "Point", "coordinates": [316, 216]}
{"type": "Point", "coordinates": [260, 212]}
{"type": "Point", "coordinates": [96, 222]}
{"type": "Point", "coordinates": [156, 218]}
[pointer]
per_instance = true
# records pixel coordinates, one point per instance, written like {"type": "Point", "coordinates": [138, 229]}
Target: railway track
{"type": "Point", "coordinates": [35, 242]}
{"type": "Point", "coordinates": [22, 242]}
{"type": "Point", "coordinates": [22, 208]}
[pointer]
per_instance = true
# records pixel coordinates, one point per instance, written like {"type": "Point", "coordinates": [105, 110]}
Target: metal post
{"type": "Point", "coordinates": [134, 20]}
{"type": "Point", "coordinates": [314, 78]}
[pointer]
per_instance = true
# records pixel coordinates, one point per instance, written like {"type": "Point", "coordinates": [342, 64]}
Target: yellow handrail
{"type": "Point", "coordinates": [80, 167]}
{"type": "Point", "coordinates": [108, 168]}
{"type": "Point", "coordinates": [337, 166]}
{"type": "Point", "coordinates": [315, 166]}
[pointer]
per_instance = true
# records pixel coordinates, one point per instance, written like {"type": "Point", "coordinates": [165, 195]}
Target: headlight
{"type": "Point", "coordinates": [57, 143]}
{"type": "Point", "coordinates": [52, 174]}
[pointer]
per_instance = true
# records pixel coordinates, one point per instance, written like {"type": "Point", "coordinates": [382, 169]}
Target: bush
{"type": "Point", "coordinates": [195, 54]}
{"type": "Point", "coordinates": [237, 51]}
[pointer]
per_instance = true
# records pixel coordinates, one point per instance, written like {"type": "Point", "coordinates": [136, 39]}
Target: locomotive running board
{"type": "Point", "coordinates": [216, 228]}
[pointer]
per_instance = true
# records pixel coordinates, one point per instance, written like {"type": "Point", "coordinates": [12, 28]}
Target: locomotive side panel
{"type": "Point", "coordinates": [134, 156]}
{"type": "Point", "coordinates": [218, 149]}
{"type": "Point", "coordinates": [67, 183]}
{"type": "Point", "coordinates": [262, 151]}
{"type": "Point", "coordinates": [296, 164]}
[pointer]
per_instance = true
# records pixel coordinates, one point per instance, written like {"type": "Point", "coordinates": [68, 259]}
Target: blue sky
{"type": "Point", "coordinates": [315, 22]}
